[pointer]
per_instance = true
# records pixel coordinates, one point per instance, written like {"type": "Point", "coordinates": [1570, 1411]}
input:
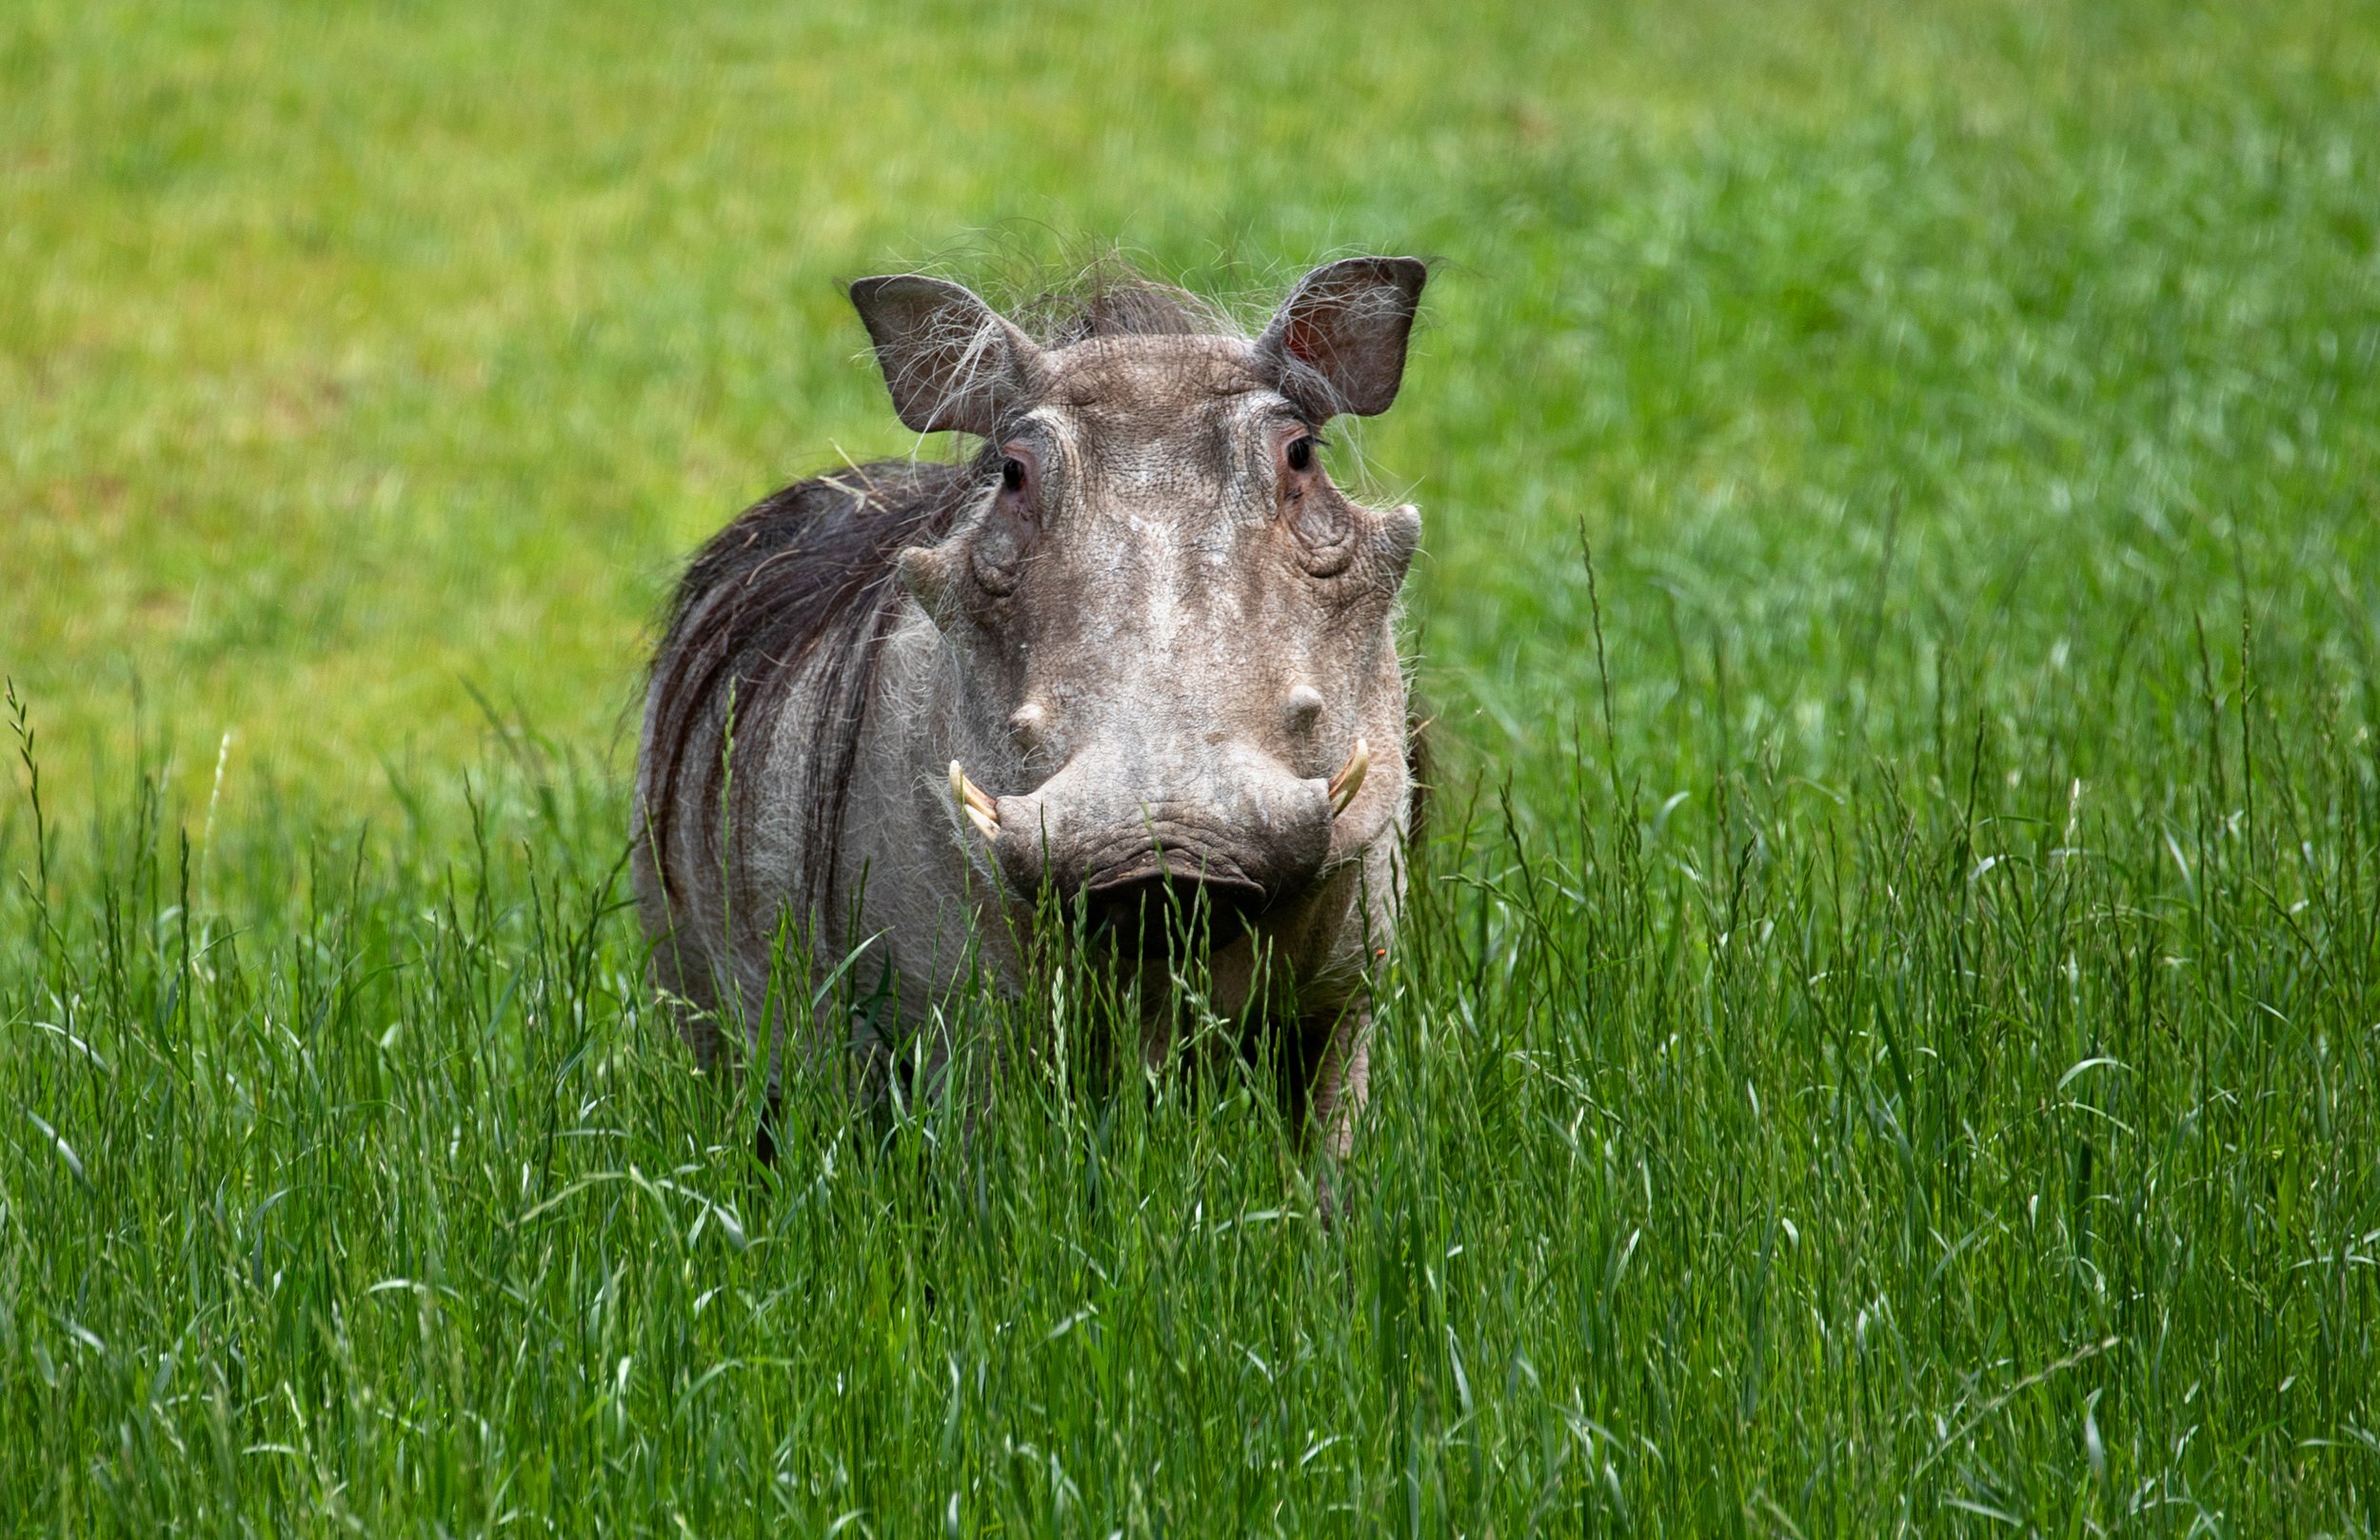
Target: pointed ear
{"type": "Point", "coordinates": [952, 361]}
{"type": "Point", "coordinates": [1338, 342]}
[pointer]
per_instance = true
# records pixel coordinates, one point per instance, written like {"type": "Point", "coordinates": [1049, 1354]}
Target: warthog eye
{"type": "Point", "coordinates": [1300, 452]}
{"type": "Point", "coordinates": [1019, 480]}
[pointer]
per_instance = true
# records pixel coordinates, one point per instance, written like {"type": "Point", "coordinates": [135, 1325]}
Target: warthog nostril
{"type": "Point", "coordinates": [1144, 916]}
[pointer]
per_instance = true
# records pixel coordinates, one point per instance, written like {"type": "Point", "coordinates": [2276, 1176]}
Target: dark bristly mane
{"type": "Point", "coordinates": [804, 575]}
{"type": "Point", "coordinates": [1113, 302]}
{"type": "Point", "coordinates": [803, 580]}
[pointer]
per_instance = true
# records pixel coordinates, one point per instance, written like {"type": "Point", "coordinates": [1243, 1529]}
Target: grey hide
{"type": "Point", "coordinates": [1139, 617]}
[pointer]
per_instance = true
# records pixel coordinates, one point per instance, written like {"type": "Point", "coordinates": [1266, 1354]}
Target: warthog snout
{"type": "Point", "coordinates": [1206, 858]}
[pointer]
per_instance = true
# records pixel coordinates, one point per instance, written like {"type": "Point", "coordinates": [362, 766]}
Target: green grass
{"type": "Point", "coordinates": [1913, 1065]}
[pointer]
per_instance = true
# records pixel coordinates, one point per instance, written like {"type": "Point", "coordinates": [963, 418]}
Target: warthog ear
{"type": "Point", "coordinates": [1338, 342]}
{"type": "Point", "coordinates": [952, 362]}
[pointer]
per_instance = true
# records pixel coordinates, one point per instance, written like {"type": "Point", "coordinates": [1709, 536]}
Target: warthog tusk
{"type": "Point", "coordinates": [1350, 777]}
{"type": "Point", "coordinates": [973, 801]}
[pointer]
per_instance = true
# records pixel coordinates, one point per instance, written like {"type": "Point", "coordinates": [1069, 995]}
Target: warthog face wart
{"type": "Point", "coordinates": [1134, 652]}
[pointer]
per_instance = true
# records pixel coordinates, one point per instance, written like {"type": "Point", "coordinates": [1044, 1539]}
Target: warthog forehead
{"type": "Point", "coordinates": [1161, 452]}
{"type": "Point", "coordinates": [1138, 377]}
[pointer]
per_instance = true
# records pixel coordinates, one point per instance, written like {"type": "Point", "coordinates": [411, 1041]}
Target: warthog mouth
{"type": "Point", "coordinates": [1148, 912]}
{"type": "Point", "coordinates": [983, 811]}
{"type": "Point", "coordinates": [1166, 875]}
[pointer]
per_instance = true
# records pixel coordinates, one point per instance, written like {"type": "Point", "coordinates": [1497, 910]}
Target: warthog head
{"type": "Point", "coordinates": [1170, 630]}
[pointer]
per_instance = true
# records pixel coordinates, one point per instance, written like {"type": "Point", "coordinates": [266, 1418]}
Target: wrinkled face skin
{"type": "Point", "coordinates": [1180, 622]}
{"type": "Point", "coordinates": [1172, 630]}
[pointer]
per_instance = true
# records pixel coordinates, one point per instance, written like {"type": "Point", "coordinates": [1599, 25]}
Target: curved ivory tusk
{"type": "Point", "coordinates": [974, 803]}
{"type": "Point", "coordinates": [1350, 777]}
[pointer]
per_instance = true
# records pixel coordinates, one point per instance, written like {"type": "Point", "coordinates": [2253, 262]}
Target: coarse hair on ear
{"type": "Point", "coordinates": [1337, 345]}
{"type": "Point", "coordinates": [951, 361]}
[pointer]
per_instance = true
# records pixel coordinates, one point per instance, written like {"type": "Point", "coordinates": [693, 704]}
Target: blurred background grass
{"type": "Point", "coordinates": [353, 358]}
{"type": "Point", "coordinates": [1916, 1073]}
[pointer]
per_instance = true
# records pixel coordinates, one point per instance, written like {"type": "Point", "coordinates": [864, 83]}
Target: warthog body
{"type": "Point", "coordinates": [1156, 637]}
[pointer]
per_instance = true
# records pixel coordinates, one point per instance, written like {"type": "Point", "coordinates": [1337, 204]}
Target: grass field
{"type": "Point", "coordinates": [1889, 1040]}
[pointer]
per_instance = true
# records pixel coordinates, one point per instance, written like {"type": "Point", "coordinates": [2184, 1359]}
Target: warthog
{"type": "Point", "coordinates": [1134, 653]}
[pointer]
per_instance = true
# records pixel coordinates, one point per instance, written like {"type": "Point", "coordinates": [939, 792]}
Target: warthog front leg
{"type": "Point", "coordinates": [1326, 1072]}
{"type": "Point", "coordinates": [1336, 1074]}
